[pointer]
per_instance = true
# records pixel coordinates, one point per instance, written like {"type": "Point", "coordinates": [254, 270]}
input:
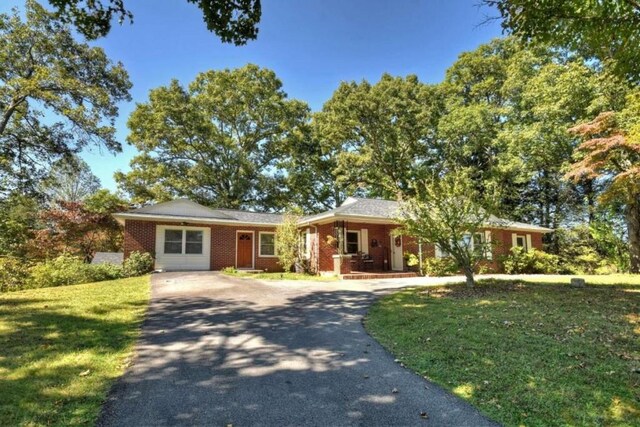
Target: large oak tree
{"type": "Point", "coordinates": [218, 141]}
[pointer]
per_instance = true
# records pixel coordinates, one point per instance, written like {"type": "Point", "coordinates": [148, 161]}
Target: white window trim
{"type": "Point", "coordinates": [359, 241]}
{"type": "Point", "coordinates": [275, 252]}
{"type": "Point", "coordinates": [516, 237]}
{"type": "Point", "coordinates": [184, 239]}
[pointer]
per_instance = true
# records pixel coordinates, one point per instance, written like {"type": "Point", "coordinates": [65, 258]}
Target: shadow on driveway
{"type": "Point", "coordinates": [205, 358]}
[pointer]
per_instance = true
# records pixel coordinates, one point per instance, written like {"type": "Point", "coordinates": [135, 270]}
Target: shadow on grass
{"type": "Point", "coordinates": [51, 357]}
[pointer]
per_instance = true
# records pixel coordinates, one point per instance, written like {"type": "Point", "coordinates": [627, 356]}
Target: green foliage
{"type": "Point", "coordinates": [69, 180]}
{"type": "Point", "coordinates": [68, 270]}
{"type": "Point", "coordinates": [229, 270]}
{"type": "Point", "coordinates": [232, 20]}
{"type": "Point", "coordinates": [14, 273]}
{"type": "Point", "coordinates": [579, 254]}
{"type": "Point", "coordinates": [521, 261]}
{"type": "Point", "coordinates": [380, 135]}
{"type": "Point", "coordinates": [56, 96]}
{"type": "Point", "coordinates": [446, 211]}
{"type": "Point", "coordinates": [607, 30]}
{"type": "Point", "coordinates": [288, 241]}
{"type": "Point", "coordinates": [137, 264]}
{"type": "Point", "coordinates": [18, 218]}
{"type": "Point", "coordinates": [218, 142]}
{"type": "Point", "coordinates": [439, 267]}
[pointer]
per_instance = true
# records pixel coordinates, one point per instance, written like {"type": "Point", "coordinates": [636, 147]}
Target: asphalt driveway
{"type": "Point", "coordinates": [224, 351]}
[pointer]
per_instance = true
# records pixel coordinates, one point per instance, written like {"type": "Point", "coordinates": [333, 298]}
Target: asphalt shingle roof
{"type": "Point", "coordinates": [352, 207]}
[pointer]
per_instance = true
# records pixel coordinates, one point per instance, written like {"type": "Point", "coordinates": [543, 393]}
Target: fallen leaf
{"type": "Point", "coordinates": [85, 373]}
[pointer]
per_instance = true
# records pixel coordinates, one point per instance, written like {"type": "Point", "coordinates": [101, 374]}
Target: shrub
{"type": "Point", "coordinates": [14, 274]}
{"type": "Point", "coordinates": [440, 266]}
{"type": "Point", "coordinates": [137, 264]}
{"type": "Point", "coordinates": [521, 261]}
{"type": "Point", "coordinates": [60, 271]}
{"type": "Point", "coordinates": [583, 251]}
{"type": "Point", "coordinates": [229, 270]}
{"type": "Point", "coordinates": [107, 271]}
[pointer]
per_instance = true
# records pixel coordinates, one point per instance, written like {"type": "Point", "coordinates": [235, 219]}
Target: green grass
{"type": "Point", "coordinates": [523, 353]}
{"type": "Point", "coordinates": [280, 276]}
{"type": "Point", "coordinates": [605, 279]}
{"type": "Point", "coordinates": [61, 348]}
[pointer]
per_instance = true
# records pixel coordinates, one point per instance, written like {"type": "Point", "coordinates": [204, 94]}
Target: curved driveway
{"type": "Point", "coordinates": [223, 351]}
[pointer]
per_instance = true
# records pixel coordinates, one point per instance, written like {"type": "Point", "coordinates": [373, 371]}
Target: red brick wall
{"type": "Point", "coordinates": [141, 236]}
{"type": "Point", "coordinates": [223, 247]}
{"type": "Point", "coordinates": [502, 240]}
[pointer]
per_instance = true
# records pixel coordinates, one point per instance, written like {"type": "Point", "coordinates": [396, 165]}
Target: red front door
{"type": "Point", "coordinates": [245, 250]}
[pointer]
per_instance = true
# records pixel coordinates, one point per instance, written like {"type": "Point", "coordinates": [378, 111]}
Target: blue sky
{"type": "Point", "coordinates": [312, 45]}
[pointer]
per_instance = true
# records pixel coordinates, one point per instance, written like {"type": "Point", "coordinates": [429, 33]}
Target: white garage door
{"type": "Point", "coordinates": [183, 248]}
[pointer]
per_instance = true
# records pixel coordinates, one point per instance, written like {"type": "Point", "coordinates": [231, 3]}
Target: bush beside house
{"type": "Point", "coordinates": [16, 274]}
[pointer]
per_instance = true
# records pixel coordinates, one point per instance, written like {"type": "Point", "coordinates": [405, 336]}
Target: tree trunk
{"type": "Point", "coordinates": [632, 215]}
{"type": "Point", "coordinates": [468, 273]}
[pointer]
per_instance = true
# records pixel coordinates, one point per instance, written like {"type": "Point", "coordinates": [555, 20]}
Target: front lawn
{"type": "Point", "coordinates": [61, 349]}
{"type": "Point", "coordinates": [279, 276]}
{"type": "Point", "coordinates": [523, 353]}
{"type": "Point", "coordinates": [594, 279]}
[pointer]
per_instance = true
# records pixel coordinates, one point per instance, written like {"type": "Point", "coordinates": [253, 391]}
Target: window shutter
{"type": "Point", "coordinates": [307, 252]}
{"type": "Point", "coordinates": [364, 240]}
{"type": "Point", "coordinates": [529, 247]}
{"type": "Point", "coordinates": [514, 240]}
{"type": "Point", "coordinates": [488, 248]}
{"type": "Point", "coordinates": [438, 252]}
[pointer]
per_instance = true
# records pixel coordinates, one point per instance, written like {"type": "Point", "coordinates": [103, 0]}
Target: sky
{"type": "Point", "coordinates": [312, 45]}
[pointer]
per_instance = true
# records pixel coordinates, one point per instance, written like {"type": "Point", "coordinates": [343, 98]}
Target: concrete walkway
{"type": "Point", "coordinates": [224, 351]}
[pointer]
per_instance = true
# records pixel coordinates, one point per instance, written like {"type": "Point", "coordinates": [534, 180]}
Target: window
{"type": "Point", "coordinates": [193, 243]}
{"type": "Point", "coordinates": [352, 245]}
{"type": "Point", "coordinates": [267, 244]}
{"type": "Point", "coordinates": [172, 241]}
{"type": "Point", "coordinates": [183, 241]}
{"type": "Point", "coordinates": [521, 242]}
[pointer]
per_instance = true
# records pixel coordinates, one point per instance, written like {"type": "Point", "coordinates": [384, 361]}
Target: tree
{"type": "Point", "coordinates": [607, 30]}
{"type": "Point", "coordinates": [18, 219]}
{"type": "Point", "coordinates": [288, 240]}
{"type": "Point", "coordinates": [70, 181]}
{"type": "Point", "coordinates": [507, 108]}
{"type": "Point", "coordinates": [310, 168]}
{"type": "Point", "coordinates": [383, 134]}
{"type": "Point", "coordinates": [448, 212]}
{"type": "Point", "coordinates": [79, 228]}
{"type": "Point", "coordinates": [56, 96]}
{"type": "Point", "coordinates": [216, 142]}
{"type": "Point", "coordinates": [234, 21]}
{"type": "Point", "coordinates": [611, 153]}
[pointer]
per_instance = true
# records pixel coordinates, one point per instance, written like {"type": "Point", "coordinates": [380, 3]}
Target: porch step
{"type": "Point", "coordinates": [369, 276]}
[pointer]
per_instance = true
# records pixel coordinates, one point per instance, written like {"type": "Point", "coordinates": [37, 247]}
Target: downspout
{"type": "Point", "coordinates": [317, 239]}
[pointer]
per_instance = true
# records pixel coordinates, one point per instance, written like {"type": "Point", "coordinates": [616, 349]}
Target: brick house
{"type": "Point", "coordinates": [183, 235]}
